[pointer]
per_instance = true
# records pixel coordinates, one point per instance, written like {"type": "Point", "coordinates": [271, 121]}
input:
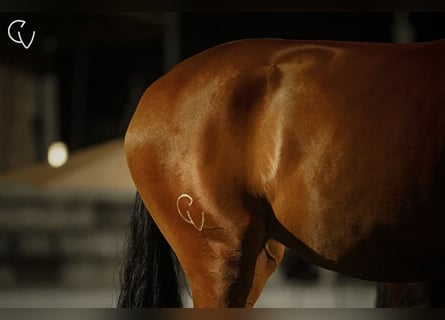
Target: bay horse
{"type": "Point", "coordinates": [333, 149]}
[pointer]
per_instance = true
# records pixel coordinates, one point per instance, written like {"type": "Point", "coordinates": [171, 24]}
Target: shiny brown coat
{"type": "Point", "coordinates": [334, 149]}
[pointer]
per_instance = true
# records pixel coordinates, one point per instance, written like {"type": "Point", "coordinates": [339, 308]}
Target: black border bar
{"type": "Point", "coordinates": [222, 5]}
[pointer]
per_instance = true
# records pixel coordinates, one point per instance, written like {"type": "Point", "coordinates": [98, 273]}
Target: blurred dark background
{"type": "Point", "coordinates": [79, 84]}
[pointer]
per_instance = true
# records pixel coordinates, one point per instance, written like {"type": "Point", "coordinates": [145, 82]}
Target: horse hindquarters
{"type": "Point", "coordinates": [184, 163]}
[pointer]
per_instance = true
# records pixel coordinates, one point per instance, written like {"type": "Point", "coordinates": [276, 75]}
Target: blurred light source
{"type": "Point", "coordinates": [57, 154]}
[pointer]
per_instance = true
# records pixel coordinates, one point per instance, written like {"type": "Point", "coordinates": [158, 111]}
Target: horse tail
{"type": "Point", "coordinates": [150, 272]}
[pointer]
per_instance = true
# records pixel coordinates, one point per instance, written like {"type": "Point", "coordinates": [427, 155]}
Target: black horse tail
{"type": "Point", "coordinates": [150, 273]}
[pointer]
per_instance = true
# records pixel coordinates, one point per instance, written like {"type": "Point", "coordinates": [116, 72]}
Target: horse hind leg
{"type": "Point", "coordinates": [229, 259]}
{"type": "Point", "coordinates": [414, 294]}
{"type": "Point", "coordinates": [237, 276]}
{"type": "Point", "coordinates": [267, 262]}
